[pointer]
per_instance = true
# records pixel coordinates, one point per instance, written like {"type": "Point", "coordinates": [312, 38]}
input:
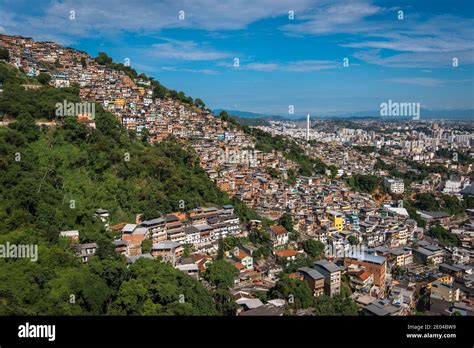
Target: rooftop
{"type": "Point", "coordinates": [165, 245]}
{"type": "Point", "coordinates": [434, 214]}
{"type": "Point", "coordinates": [128, 228]}
{"type": "Point", "coordinates": [328, 266]}
{"type": "Point", "coordinates": [278, 230]}
{"type": "Point", "coordinates": [364, 257]}
{"type": "Point", "coordinates": [265, 310]}
{"type": "Point", "coordinates": [311, 272]}
{"type": "Point", "coordinates": [286, 253]}
{"type": "Point", "coordinates": [152, 222]}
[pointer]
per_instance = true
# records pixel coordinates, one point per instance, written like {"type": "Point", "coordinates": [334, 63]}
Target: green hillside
{"type": "Point", "coordinates": [54, 178]}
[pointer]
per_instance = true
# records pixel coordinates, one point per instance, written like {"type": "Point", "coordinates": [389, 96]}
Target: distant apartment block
{"type": "Point", "coordinates": [394, 185]}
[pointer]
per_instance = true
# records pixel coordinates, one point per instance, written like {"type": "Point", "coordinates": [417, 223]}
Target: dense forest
{"type": "Point", "coordinates": [53, 180]}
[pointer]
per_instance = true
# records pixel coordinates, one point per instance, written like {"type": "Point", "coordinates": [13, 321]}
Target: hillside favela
{"type": "Point", "coordinates": [122, 196]}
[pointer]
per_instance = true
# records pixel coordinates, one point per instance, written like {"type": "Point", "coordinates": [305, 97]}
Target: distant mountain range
{"type": "Point", "coordinates": [452, 114]}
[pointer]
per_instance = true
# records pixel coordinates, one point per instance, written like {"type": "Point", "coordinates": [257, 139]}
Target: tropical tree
{"type": "Point", "coordinates": [296, 292]}
{"type": "Point", "coordinates": [44, 78]}
{"type": "Point", "coordinates": [313, 248]}
{"type": "Point", "coordinates": [225, 303]}
{"type": "Point", "coordinates": [221, 274]}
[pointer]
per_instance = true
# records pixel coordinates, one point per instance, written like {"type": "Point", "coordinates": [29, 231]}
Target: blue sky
{"type": "Point", "coordinates": [283, 61]}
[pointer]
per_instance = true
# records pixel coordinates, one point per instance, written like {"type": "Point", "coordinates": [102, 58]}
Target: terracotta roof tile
{"type": "Point", "coordinates": [278, 230]}
{"type": "Point", "coordinates": [286, 253]}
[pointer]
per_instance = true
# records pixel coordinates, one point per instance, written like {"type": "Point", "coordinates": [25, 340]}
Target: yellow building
{"type": "Point", "coordinates": [336, 218]}
{"type": "Point", "coordinates": [443, 278]}
{"type": "Point", "coordinates": [446, 291]}
{"type": "Point", "coordinates": [120, 102]}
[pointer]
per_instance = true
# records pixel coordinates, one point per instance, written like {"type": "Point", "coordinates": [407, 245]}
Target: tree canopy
{"type": "Point", "coordinates": [221, 274]}
{"type": "Point", "coordinates": [313, 248]}
{"type": "Point", "coordinates": [296, 292]}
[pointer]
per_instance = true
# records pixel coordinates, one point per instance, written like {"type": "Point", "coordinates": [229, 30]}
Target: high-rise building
{"type": "Point", "coordinates": [307, 127]}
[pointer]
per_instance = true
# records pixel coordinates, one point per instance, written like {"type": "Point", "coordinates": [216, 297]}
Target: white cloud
{"type": "Point", "coordinates": [335, 17]}
{"type": "Point", "coordinates": [184, 50]}
{"type": "Point", "coordinates": [373, 27]}
{"type": "Point", "coordinates": [417, 60]}
{"type": "Point", "coordinates": [293, 66]}
{"type": "Point", "coordinates": [93, 18]}
{"type": "Point", "coordinates": [310, 65]}
{"type": "Point", "coordinates": [198, 71]}
{"type": "Point", "coordinates": [419, 81]}
{"type": "Point", "coordinates": [419, 40]}
{"type": "Point", "coordinates": [422, 37]}
{"type": "Point", "coordinates": [261, 66]}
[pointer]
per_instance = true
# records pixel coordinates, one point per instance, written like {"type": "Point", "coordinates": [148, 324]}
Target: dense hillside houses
{"type": "Point", "coordinates": [201, 228]}
{"type": "Point", "coordinates": [323, 231]}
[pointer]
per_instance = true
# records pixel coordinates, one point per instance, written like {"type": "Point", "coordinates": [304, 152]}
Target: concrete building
{"type": "Point", "coordinates": [376, 265]}
{"type": "Point", "coordinates": [279, 235]}
{"type": "Point", "coordinates": [307, 127]}
{"type": "Point", "coordinates": [332, 277]}
{"type": "Point", "coordinates": [445, 290]}
{"type": "Point", "coordinates": [394, 185]}
{"type": "Point", "coordinates": [169, 251]}
{"type": "Point", "coordinates": [429, 253]}
{"type": "Point", "coordinates": [314, 279]}
{"type": "Point", "coordinates": [336, 218]}
{"type": "Point", "coordinates": [72, 235]}
{"type": "Point", "coordinates": [86, 251]}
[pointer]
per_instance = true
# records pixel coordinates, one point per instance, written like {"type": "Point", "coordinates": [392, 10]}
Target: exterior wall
{"type": "Point", "coordinates": [395, 186]}
{"type": "Point", "coordinates": [317, 286]}
{"type": "Point", "coordinates": [447, 293]}
{"type": "Point", "coordinates": [337, 222]}
{"type": "Point", "coordinates": [332, 281]}
{"type": "Point", "coordinates": [377, 270]}
{"type": "Point", "coordinates": [335, 284]}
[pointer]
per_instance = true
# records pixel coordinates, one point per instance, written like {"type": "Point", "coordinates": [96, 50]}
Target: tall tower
{"type": "Point", "coordinates": [307, 127]}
